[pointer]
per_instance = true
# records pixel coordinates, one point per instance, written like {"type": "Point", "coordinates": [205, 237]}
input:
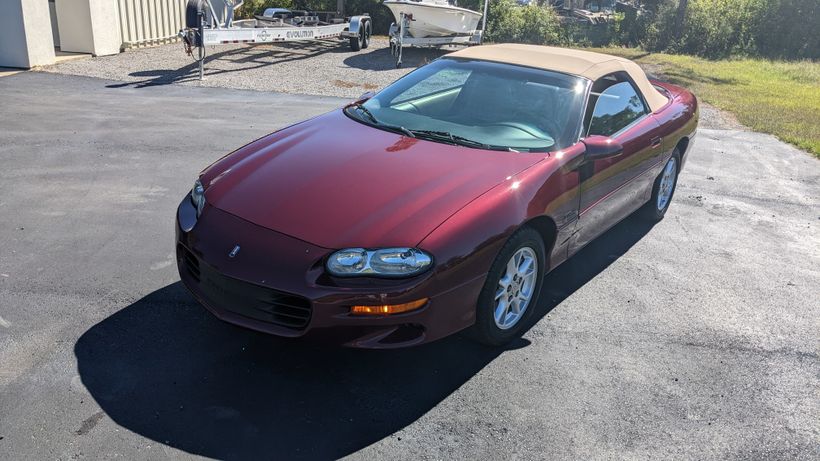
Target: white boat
{"type": "Point", "coordinates": [434, 18]}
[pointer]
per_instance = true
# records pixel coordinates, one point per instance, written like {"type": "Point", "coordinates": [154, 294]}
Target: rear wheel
{"type": "Point", "coordinates": [663, 190]}
{"type": "Point", "coordinates": [510, 293]}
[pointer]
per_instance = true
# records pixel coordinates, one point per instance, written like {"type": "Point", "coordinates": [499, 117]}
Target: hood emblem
{"type": "Point", "coordinates": [234, 252]}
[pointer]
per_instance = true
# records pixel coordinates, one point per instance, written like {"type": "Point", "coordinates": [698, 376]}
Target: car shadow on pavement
{"type": "Point", "coordinates": [166, 369]}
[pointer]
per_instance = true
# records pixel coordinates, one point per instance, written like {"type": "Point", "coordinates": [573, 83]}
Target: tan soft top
{"type": "Point", "coordinates": [576, 62]}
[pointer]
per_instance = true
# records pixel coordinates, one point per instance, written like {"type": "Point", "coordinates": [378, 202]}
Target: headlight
{"type": "Point", "coordinates": [198, 197]}
{"type": "Point", "coordinates": [385, 262]}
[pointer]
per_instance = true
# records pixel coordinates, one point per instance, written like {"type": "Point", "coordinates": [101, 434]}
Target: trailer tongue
{"type": "Point", "coordinates": [209, 26]}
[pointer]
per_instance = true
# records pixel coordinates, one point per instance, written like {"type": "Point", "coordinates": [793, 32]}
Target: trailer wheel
{"type": "Point", "coordinates": [366, 38]}
{"type": "Point", "coordinates": [356, 42]}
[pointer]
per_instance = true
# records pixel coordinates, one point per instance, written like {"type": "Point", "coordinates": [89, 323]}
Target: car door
{"type": "Point", "coordinates": [612, 188]}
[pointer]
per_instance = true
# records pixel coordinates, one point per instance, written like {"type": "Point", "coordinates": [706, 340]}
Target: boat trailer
{"type": "Point", "coordinates": [206, 25]}
{"type": "Point", "coordinates": [399, 38]}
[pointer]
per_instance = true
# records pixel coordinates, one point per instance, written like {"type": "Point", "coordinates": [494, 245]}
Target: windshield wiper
{"type": "Point", "coordinates": [375, 121]}
{"type": "Point", "coordinates": [447, 136]}
{"type": "Point", "coordinates": [366, 112]}
{"type": "Point", "coordinates": [459, 140]}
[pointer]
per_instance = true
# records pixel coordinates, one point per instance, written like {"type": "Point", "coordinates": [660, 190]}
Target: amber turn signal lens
{"type": "Point", "coordinates": [388, 309]}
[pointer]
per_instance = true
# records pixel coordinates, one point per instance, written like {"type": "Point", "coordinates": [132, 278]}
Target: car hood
{"type": "Point", "coordinates": [334, 182]}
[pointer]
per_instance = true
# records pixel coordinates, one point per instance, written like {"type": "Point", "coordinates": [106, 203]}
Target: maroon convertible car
{"type": "Point", "coordinates": [437, 204]}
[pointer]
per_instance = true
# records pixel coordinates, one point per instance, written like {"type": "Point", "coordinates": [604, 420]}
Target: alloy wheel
{"type": "Point", "coordinates": [667, 184]}
{"type": "Point", "coordinates": [516, 288]}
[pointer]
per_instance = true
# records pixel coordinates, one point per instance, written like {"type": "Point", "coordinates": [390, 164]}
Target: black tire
{"type": "Point", "coordinates": [486, 330]}
{"type": "Point", "coordinates": [192, 9]}
{"type": "Point", "coordinates": [651, 210]}
{"type": "Point", "coordinates": [367, 32]}
{"type": "Point", "coordinates": [357, 42]}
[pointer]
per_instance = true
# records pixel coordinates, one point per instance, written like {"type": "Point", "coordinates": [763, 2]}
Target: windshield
{"type": "Point", "coordinates": [481, 104]}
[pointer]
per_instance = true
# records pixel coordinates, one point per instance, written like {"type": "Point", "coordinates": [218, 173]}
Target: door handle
{"type": "Point", "coordinates": [655, 142]}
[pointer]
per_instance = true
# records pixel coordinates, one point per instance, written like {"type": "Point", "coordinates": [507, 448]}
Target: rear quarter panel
{"type": "Point", "coordinates": [678, 119]}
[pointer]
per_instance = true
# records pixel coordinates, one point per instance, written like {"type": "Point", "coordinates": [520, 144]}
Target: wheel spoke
{"type": "Point", "coordinates": [501, 311]}
{"type": "Point", "coordinates": [526, 267]}
{"type": "Point", "coordinates": [512, 267]}
{"type": "Point", "coordinates": [504, 281]}
{"type": "Point", "coordinates": [523, 301]}
{"type": "Point", "coordinates": [515, 305]}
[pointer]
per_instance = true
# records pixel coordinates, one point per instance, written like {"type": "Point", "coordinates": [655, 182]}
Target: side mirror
{"type": "Point", "coordinates": [366, 95]}
{"type": "Point", "coordinates": [600, 147]}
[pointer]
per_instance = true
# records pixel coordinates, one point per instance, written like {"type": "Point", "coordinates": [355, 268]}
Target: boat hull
{"type": "Point", "coordinates": [432, 20]}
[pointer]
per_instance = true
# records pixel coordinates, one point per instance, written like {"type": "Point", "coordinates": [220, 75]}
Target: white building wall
{"type": "Point", "coordinates": [99, 27]}
{"type": "Point", "coordinates": [89, 26]}
{"type": "Point", "coordinates": [25, 34]}
{"type": "Point", "coordinates": [105, 20]}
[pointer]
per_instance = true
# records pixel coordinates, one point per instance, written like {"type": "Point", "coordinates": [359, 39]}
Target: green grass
{"type": "Point", "coordinates": [780, 98]}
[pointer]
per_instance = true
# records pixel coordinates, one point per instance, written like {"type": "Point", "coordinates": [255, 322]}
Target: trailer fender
{"type": "Point", "coordinates": [356, 23]}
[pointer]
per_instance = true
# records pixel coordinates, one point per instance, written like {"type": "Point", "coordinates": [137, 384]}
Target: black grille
{"type": "Point", "coordinates": [246, 299]}
{"type": "Point", "coordinates": [190, 262]}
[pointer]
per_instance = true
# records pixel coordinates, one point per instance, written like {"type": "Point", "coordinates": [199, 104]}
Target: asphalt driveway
{"type": "Point", "coordinates": [697, 338]}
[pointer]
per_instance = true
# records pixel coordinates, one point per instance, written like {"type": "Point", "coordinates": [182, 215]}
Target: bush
{"type": "Point", "coordinates": [507, 22]}
{"type": "Point", "coordinates": [719, 28]}
{"type": "Point", "coordinates": [634, 27]}
{"type": "Point", "coordinates": [788, 29]}
{"type": "Point", "coordinates": [722, 28]}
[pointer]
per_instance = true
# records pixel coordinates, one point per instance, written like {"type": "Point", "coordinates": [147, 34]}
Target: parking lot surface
{"type": "Point", "coordinates": [696, 338]}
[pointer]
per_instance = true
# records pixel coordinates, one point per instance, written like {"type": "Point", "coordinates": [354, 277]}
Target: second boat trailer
{"type": "Point", "coordinates": [399, 38]}
{"type": "Point", "coordinates": [207, 25]}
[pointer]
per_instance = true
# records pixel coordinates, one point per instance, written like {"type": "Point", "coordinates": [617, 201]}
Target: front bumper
{"type": "Point", "coordinates": [277, 284]}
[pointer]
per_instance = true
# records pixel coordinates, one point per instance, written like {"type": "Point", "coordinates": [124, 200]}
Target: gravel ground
{"type": "Point", "coordinates": [696, 338]}
{"type": "Point", "coordinates": [325, 68]}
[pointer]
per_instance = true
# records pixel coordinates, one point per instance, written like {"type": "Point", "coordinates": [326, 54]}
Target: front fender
{"type": "Point", "coordinates": [466, 244]}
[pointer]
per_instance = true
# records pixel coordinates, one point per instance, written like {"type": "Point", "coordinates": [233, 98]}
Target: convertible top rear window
{"type": "Point", "coordinates": [492, 104]}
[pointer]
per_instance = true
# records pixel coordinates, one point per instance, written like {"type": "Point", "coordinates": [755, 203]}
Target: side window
{"type": "Point", "coordinates": [615, 107]}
